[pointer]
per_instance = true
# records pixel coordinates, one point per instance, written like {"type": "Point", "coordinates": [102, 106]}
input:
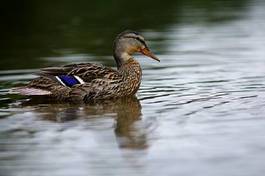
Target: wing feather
{"type": "Point", "coordinates": [86, 71]}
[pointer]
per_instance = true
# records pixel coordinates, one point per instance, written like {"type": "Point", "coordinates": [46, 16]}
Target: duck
{"type": "Point", "coordinates": [90, 82]}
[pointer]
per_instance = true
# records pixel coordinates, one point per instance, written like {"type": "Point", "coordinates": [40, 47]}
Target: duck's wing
{"type": "Point", "coordinates": [60, 79]}
{"type": "Point", "coordinates": [86, 71]}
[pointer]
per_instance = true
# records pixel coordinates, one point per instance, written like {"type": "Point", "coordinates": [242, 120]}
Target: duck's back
{"type": "Point", "coordinates": [85, 81]}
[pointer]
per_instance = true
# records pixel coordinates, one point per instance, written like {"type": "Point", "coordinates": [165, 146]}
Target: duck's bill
{"type": "Point", "coordinates": [148, 53]}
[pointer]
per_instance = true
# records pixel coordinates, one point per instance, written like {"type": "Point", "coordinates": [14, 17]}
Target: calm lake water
{"type": "Point", "coordinates": [200, 111]}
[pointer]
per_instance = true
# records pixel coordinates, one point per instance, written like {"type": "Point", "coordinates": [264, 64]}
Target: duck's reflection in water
{"type": "Point", "coordinates": [126, 112]}
{"type": "Point", "coordinates": [129, 134]}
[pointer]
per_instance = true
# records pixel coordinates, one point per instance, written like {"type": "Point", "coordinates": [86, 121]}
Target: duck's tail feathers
{"type": "Point", "coordinates": [29, 91]}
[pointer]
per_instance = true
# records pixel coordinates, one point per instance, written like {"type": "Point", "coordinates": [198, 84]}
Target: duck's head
{"type": "Point", "coordinates": [128, 43]}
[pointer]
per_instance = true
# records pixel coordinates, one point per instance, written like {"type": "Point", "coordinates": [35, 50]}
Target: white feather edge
{"type": "Point", "coordinates": [29, 91]}
{"type": "Point", "coordinates": [79, 79]}
{"type": "Point", "coordinates": [58, 79]}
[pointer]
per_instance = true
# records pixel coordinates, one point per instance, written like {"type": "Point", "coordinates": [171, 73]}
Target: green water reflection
{"type": "Point", "coordinates": [33, 30]}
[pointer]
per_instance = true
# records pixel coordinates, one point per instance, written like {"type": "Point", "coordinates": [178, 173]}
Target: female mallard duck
{"type": "Point", "coordinates": [90, 82]}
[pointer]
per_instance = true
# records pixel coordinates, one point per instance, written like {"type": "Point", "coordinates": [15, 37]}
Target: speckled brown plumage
{"type": "Point", "coordinates": [99, 82]}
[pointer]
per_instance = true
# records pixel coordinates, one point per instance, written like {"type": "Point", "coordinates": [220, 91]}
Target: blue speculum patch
{"type": "Point", "coordinates": [68, 80]}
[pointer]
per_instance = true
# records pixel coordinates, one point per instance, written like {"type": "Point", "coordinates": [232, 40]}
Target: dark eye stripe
{"type": "Point", "coordinates": [143, 42]}
{"type": "Point", "coordinates": [137, 38]}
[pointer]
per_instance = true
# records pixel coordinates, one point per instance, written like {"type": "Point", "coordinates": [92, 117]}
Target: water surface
{"type": "Point", "coordinates": [200, 110]}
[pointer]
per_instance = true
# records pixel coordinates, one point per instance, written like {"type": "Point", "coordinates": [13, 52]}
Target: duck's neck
{"type": "Point", "coordinates": [122, 51]}
{"type": "Point", "coordinates": [121, 58]}
{"type": "Point", "coordinates": [131, 73]}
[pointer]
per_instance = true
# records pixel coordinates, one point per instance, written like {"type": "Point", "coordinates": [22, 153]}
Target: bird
{"type": "Point", "coordinates": [90, 82]}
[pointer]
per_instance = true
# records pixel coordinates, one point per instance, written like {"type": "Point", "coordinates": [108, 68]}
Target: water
{"type": "Point", "coordinates": [200, 110]}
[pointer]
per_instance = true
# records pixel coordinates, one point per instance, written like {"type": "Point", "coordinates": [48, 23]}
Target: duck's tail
{"type": "Point", "coordinates": [29, 91]}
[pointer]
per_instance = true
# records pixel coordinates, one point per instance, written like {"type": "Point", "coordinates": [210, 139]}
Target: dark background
{"type": "Point", "coordinates": [34, 29]}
